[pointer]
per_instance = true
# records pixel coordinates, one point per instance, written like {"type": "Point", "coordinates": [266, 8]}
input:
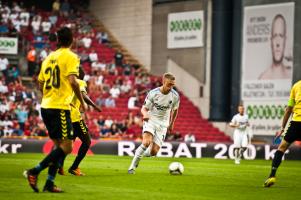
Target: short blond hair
{"type": "Point", "coordinates": [169, 76]}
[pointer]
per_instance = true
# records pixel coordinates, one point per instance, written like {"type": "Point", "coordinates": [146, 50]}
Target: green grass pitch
{"type": "Point", "coordinates": [106, 178]}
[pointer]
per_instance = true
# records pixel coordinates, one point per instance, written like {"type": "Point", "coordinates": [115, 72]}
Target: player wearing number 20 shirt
{"type": "Point", "coordinates": [57, 82]}
{"type": "Point", "coordinates": [57, 91]}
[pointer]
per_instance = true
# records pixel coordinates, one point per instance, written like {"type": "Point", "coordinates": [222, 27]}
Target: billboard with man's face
{"type": "Point", "coordinates": [267, 64]}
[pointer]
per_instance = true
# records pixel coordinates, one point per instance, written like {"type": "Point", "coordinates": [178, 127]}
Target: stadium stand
{"type": "Point", "coordinates": [114, 77]}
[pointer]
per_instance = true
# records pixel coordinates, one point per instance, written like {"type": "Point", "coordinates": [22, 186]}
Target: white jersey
{"type": "Point", "coordinates": [242, 121]}
{"type": "Point", "coordinates": [160, 105]}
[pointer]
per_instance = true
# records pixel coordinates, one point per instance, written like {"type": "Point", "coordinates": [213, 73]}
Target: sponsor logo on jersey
{"type": "Point", "coordinates": [161, 107]}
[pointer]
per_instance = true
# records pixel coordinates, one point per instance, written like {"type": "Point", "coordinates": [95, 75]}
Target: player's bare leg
{"type": "Point", "coordinates": [284, 145]}
{"type": "Point", "coordinates": [146, 142]}
{"type": "Point", "coordinates": [155, 149]}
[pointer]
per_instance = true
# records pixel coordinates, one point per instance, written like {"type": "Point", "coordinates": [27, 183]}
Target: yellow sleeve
{"type": "Point", "coordinates": [291, 101]}
{"type": "Point", "coordinates": [72, 65]}
{"type": "Point", "coordinates": [82, 86]}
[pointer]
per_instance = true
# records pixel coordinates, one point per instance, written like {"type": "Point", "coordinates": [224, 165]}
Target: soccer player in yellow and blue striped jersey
{"type": "Point", "coordinates": [57, 82]}
{"type": "Point", "coordinates": [292, 133]}
{"type": "Point", "coordinates": [79, 127]}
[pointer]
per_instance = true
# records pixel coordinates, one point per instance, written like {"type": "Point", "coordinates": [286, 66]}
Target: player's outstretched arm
{"type": "Point", "coordinates": [75, 86]}
{"type": "Point", "coordinates": [287, 114]}
{"type": "Point", "coordinates": [144, 112]}
{"type": "Point", "coordinates": [90, 102]}
{"type": "Point", "coordinates": [172, 120]}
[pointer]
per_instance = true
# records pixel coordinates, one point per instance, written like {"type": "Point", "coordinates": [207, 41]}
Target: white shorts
{"type": "Point", "coordinates": [158, 131]}
{"type": "Point", "coordinates": [240, 139]}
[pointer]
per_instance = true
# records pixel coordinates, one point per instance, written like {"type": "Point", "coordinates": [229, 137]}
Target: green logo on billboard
{"type": "Point", "coordinates": [185, 25]}
{"type": "Point", "coordinates": [265, 111]}
{"type": "Point", "coordinates": [7, 43]}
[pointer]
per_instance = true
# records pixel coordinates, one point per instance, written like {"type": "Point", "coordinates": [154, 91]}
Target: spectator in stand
{"type": "Point", "coordinates": [3, 88]}
{"type": "Point", "coordinates": [3, 28]}
{"type": "Point", "coordinates": [22, 115]}
{"type": "Point", "coordinates": [56, 7]}
{"type": "Point", "coordinates": [32, 11]}
{"type": "Point", "coordinates": [156, 83]}
{"type": "Point", "coordinates": [84, 57]}
{"type": "Point", "coordinates": [33, 110]}
{"type": "Point", "coordinates": [46, 26]}
{"type": "Point", "coordinates": [106, 87]}
{"type": "Point", "coordinates": [24, 17]}
{"type": "Point", "coordinates": [65, 8]}
{"type": "Point", "coordinates": [28, 95]}
{"type": "Point", "coordinates": [35, 24]}
{"type": "Point", "coordinates": [87, 41]}
{"type": "Point", "coordinates": [3, 64]}
{"type": "Point", "coordinates": [127, 69]}
{"type": "Point", "coordinates": [133, 101]}
{"type": "Point", "coordinates": [4, 106]}
{"type": "Point", "coordinates": [93, 57]}
{"type": "Point", "coordinates": [99, 80]}
{"type": "Point", "coordinates": [110, 102]}
{"type": "Point", "coordinates": [99, 101]}
{"type": "Point", "coordinates": [6, 122]}
{"type": "Point", "coordinates": [8, 131]}
{"type": "Point", "coordinates": [104, 37]}
{"type": "Point", "coordinates": [31, 61]}
{"type": "Point", "coordinates": [39, 41]}
{"type": "Point", "coordinates": [17, 23]}
{"type": "Point", "coordinates": [108, 122]}
{"type": "Point", "coordinates": [12, 31]}
{"type": "Point", "coordinates": [123, 126]}
{"type": "Point", "coordinates": [126, 87]}
{"type": "Point", "coordinates": [98, 37]}
{"type": "Point", "coordinates": [115, 91]}
{"type": "Point", "coordinates": [16, 7]}
{"type": "Point", "coordinates": [189, 138]}
{"type": "Point", "coordinates": [39, 130]}
{"type": "Point", "coordinates": [98, 66]}
{"type": "Point", "coordinates": [101, 121]}
{"type": "Point", "coordinates": [146, 81]}
{"type": "Point", "coordinates": [4, 16]}
{"type": "Point", "coordinates": [139, 79]}
{"type": "Point", "coordinates": [53, 18]}
{"type": "Point", "coordinates": [43, 54]}
{"type": "Point", "coordinates": [13, 15]}
{"type": "Point", "coordinates": [112, 68]}
{"type": "Point", "coordinates": [114, 131]}
{"type": "Point", "coordinates": [118, 58]}
{"type": "Point", "coordinates": [13, 74]}
{"type": "Point", "coordinates": [104, 132]}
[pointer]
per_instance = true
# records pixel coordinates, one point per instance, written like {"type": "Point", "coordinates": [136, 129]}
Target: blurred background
{"type": "Point", "coordinates": [222, 53]}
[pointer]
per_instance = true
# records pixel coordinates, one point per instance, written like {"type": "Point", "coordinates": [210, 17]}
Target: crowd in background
{"type": "Point", "coordinates": [109, 78]}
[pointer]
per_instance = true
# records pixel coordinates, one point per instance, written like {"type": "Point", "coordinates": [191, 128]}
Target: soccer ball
{"type": "Point", "coordinates": [176, 168]}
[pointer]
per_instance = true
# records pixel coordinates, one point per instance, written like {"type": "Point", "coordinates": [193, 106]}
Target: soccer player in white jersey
{"type": "Point", "coordinates": [240, 122]}
{"type": "Point", "coordinates": [159, 113]}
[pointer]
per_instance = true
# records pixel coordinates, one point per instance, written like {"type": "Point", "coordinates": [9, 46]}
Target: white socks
{"type": "Point", "coordinates": [138, 155]}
